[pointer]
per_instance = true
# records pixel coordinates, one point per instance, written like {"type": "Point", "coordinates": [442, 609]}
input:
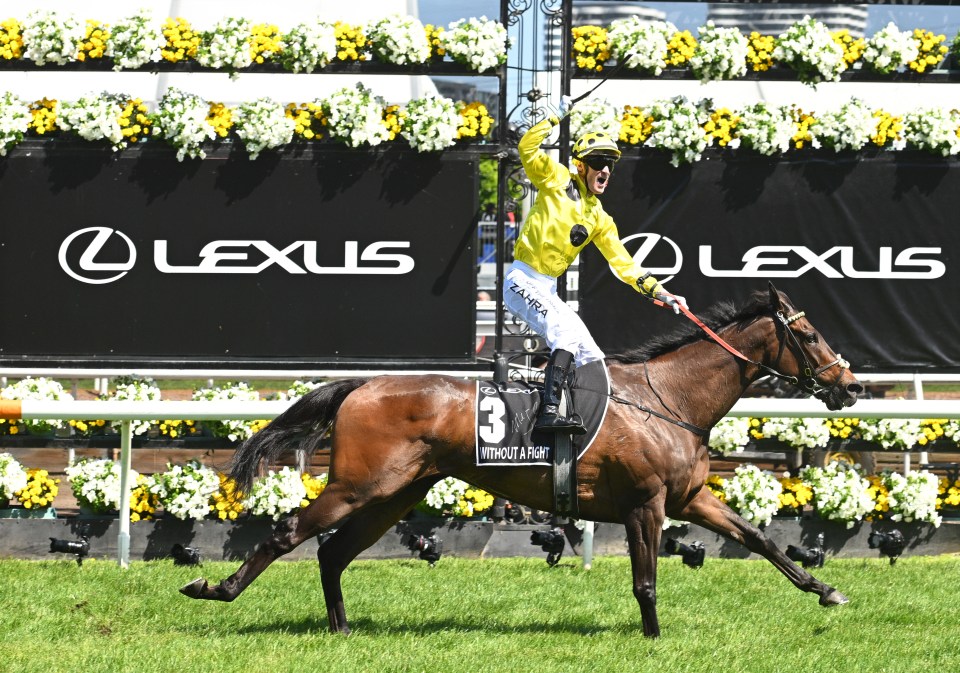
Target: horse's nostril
{"type": "Point", "coordinates": [855, 388]}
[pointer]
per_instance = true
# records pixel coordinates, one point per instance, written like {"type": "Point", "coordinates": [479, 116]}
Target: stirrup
{"type": "Point", "coordinates": [557, 423]}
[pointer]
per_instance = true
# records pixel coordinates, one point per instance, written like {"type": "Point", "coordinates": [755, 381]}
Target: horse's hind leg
{"type": "Point", "coordinates": [334, 504]}
{"type": "Point", "coordinates": [706, 510]}
{"type": "Point", "coordinates": [358, 533]}
{"type": "Point", "coordinates": [644, 527]}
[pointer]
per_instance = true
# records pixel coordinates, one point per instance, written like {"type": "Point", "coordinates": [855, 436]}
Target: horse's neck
{"type": "Point", "coordinates": [702, 380]}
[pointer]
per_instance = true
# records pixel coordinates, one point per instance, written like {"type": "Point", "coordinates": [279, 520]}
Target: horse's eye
{"type": "Point", "coordinates": [811, 337]}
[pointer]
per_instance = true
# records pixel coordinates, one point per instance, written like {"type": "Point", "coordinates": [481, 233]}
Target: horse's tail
{"type": "Point", "coordinates": [302, 426]}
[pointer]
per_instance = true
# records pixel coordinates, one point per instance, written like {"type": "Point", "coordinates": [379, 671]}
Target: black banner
{"type": "Point", "coordinates": [299, 258]}
{"type": "Point", "coordinates": [867, 246]}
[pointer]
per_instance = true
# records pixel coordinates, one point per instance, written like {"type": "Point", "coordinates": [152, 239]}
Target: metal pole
{"type": "Point", "coordinates": [123, 539]}
{"type": "Point", "coordinates": [588, 545]}
{"type": "Point", "coordinates": [918, 389]}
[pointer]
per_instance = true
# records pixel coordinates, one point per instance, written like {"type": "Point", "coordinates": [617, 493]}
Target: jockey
{"type": "Point", "coordinates": [566, 217]}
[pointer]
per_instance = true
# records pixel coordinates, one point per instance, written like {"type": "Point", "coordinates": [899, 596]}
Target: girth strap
{"type": "Point", "coordinates": [565, 469]}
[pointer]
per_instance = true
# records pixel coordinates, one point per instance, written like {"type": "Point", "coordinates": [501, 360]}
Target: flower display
{"type": "Point", "coordinates": [760, 51]}
{"type": "Point", "coordinates": [300, 388]}
{"type": "Point", "coordinates": [143, 503]}
{"type": "Point", "coordinates": [678, 128]}
{"type": "Point", "coordinates": [43, 116]}
{"type": "Point", "coordinates": [186, 491]}
{"type": "Point", "coordinates": [355, 116]}
{"type": "Point", "coordinates": [308, 119]}
{"type": "Point", "coordinates": [233, 430]}
{"type": "Point", "coordinates": [849, 128]}
{"type": "Point", "coordinates": [39, 388]}
{"type": "Point", "coordinates": [475, 121]}
{"type": "Point", "coordinates": [843, 428]}
{"type": "Point", "coordinates": [635, 125]}
{"type": "Point", "coordinates": [640, 45]}
{"type": "Point", "coordinates": [227, 45]}
{"type": "Point", "coordinates": [839, 492]}
{"type": "Point", "coordinates": [480, 44]}
{"type": "Point", "coordinates": [181, 120]}
{"type": "Point", "coordinates": [276, 494]}
{"type": "Point", "coordinates": [94, 117]}
{"type": "Point", "coordinates": [767, 129]}
{"type": "Point", "coordinates": [13, 478]}
{"type": "Point", "coordinates": [591, 48]}
{"type": "Point", "coordinates": [730, 434]}
{"type": "Point", "coordinates": [181, 41]}
{"type": "Point", "coordinates": [265, 42]}
{"type": "Point", "coordinates": [40, 491]}
{"type": "Point", "coordinates": [900, 433]}
{"type": "Point", "coordinates": [721, 128]}
{"type": "Point", "coordinates": [680, 49]}
{"type": "Point", "coordinates": [800, 433]}
{"type": "Point", "coordinates": [721, 54]}
{"type": "Point", "coordinates": [454, 497]}
{"type": "Point", "coordinates": [948, 495]}
{"type": "Point", "coordinates": [852, 47]}
{"type": "Point", "coordinates": [930, 50]}
{"type": "Point", "coordinates": [313, 486]}
{"type": "Point", "coordinates": [262, 124]}
{"type": "Point", "coordinates": [795, 494]}
{"type": "Point", "coordinates": [435, 40]}
{"type": "Point", "coordinates": [93, 46]}
{"type": "Point", "coordinates": [933, 129]}
{"type": "Point", "coordinates": [175, 428]}
{"type": "Point", "coordinates": [50, 38]}
{"type": "Point", "coordinates": [351, 42]}
{"type": "Point", "coordinates": [430, 123]}
{"type": "Point", "coordinates": [715, 484]}
{"type": "Point", "coordinates": [11, 40]}
{"type": "Point", "coordinates": [753, 493]}
{"type": "Point", "coordinates": [890, 49]}
{"type": "Point", "coordinates": [811, 51]}
{"type": "Point", "coordinates": [913, 497]}
{"type": "Point", "coordinates": [135, 41]}
{"type": "Point", "coordinates": [594, 114]}
{"type": "Point", "coordinates": [227, 501]}
{"type": "Point", "coordinates": [15, 120]}
{"type": "Point", "coordinates": [134, 389]}
{"type": "Point", "coordinates": [398, 39]}
{"type": "Point", "coordinates": [308, 46]}
{"type": "Point", "coordinates": [96, 483]}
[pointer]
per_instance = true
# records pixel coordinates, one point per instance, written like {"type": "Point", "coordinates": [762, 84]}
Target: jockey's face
{"type": "Point", "coordinates": [595, 173]}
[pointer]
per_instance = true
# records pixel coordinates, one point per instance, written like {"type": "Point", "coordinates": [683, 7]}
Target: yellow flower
{"type": "Point", "coordinates": [889, 128]}
{"type": "Point", "coordinates": [931, 50]}
{"type": "Point", "coordinates": [220, 117]}
{"type": "Point", "coordinates": [435, 38]}
{"type": "Point", "coordinates": [11, 40]}
{"type": "Point", "coordinates": [475, 120]}
{"type": "Point", "coordinates": [44, 116]}
{"type": "Point", "coordinates": [801, 124]}
{"type": "Point", "coordinates": [635, 125]}
{"type": "Point", "coordinates": [852, 48]}
{"type": "Point", "coordinates": [135, 121]}
{"type": "Point", "coordinates": [40, 490]}
{"type": "Point", "coordinates": [680, 49]}
{"type": "Point", "coordinates": [590, 47]}
{"type": "Point", "coordinates": [182, 40]}
{"type": "Point", "coordinates": [265, 42]}
{"type": "Point", "coordinates": [94, 42]}
{"type": "Point", "coordinates": [760, 51]}
{"type": "Point", "coordinates": [722, 126]}
{"type": "Point", "coordinates": [393, 120]}
{"type": "Point", "coordinates": [351, 42]}
{"type": "Point", "coordinates": [716, 483]}
{"type": "Point", "coordinates": [227, 502]}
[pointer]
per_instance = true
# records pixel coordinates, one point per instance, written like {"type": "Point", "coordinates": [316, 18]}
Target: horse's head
{"type": "Point", "coordinates": [803, 354]}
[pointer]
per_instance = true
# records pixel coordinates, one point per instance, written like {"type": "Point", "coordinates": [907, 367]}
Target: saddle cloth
{"type": "Point", "coordinates": [505, 413]}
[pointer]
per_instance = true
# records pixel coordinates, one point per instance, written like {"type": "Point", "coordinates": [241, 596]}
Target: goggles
{"type": "Point", "coordinates": [598, 163]}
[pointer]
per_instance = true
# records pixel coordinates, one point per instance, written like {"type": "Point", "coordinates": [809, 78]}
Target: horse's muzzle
{"type": "Point", "coordinates": [843, 393]}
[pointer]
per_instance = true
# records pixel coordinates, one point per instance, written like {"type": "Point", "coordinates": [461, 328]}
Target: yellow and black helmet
{"type": "Point", "coordinates": [595, 143]}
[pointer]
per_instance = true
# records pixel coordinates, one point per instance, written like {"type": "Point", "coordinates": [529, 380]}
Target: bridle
{"type": "Point", "coordinates": [807, 380]}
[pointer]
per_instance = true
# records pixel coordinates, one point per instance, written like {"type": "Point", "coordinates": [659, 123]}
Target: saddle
{"type": "Point", "coordinates": [505, 414]}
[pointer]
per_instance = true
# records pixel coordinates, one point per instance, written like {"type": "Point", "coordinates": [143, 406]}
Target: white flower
{"type": "Point", "coordinates": [641, 44]}
{"type": "Point", "coordinates": [276, 494]}
{"type": "Point", "coordinates": [181, 120]}
{"type": "Point", "coordinates": [431, 123]}
{"type": "Point", "coordinates": [839, 492]}
{"type": "Point", "coordinates": [678, 128]}
{"type": "Point", "coordinates": [134, 42]}
{"type": "Point", "coordinates": [299, 388]}
{"type": "Point", "coordinates": [479, 44]}
{"type": "Point", "coordinates": [899, 433]}
{"type": "Point", "coordinates": [765, 129]}
{"type": "Point", "coordinates": [913, 497]}
{"type": "Point", "coordinates": [262, 124]}
{"type": "Point", "coordinates": [185, 491]}
{"type": "Point", "coordinates": [447, 496]}
{"type": "Point", "coordinates": [37, 389]}
{"type": "Point", "coordinates": [14, 121]}
{"type": "Point", "coordinates": [592, 115]}
{"type": "Point", "coordinates": [809, 48]}
{"type": "Point", "coordinates": [355, 116]}
{"type": "Point", "coordinates": [49, 39]}
{"type": "Point", "coordinates": [94, 117]}
{"type": "Point", "coordinates": [227, 45]}
{"type": "Point", "coordinates": [96, 483]}
{"type": "Point", "coordinates": [398, 39]}
{"type": "Point", "coordinates": [800, 433]}
{"type": "Point", "coordinates": [13, 477]}
{"type": "Point", "coordinates": [753, 493]}
{"type": "Point", "coordinates": [721, 53]}
{"type": "Point", "coordinates": [890, 49]}
{"type": "Point", "coordinates": [137, 389]}
{"type": "Point", "coordinates": [849, 128]}
{"type": "Point", "coordinates": [231, 429]}
{"type": "Point", "coordinates": [308, 46]}
{"type": "Point", "coordinates": [730, 434]}
{"type": "Point", "coordinates": [933, 129]}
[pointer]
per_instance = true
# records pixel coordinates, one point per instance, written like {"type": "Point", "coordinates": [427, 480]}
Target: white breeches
{"type": "Point", "coordinates": [532, 297]}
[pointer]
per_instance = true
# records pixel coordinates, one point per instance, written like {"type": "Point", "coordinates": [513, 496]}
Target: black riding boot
{"type": "Point", "coordinates": [561, 362]}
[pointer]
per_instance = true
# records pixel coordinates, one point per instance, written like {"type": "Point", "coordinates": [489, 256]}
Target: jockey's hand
{"type": "Point", "coordinates": [649, 286]}
{"type": "Point", "coordinates": [673, 301]}
{"type": "Point", "coordinates": [565, 106]}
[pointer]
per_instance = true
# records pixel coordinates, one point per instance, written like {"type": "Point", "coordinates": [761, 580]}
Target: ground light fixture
{"type": "Point", "coordinates": [810, 557]}
{"type": "Point", "coordinates": [430, 548]}
{"type": "Point", "coordinates": [692, 555]}
{"type": "Point", "coordinates": [80, 547]}
{"type": "Point", "coordinates": [890, 544]}
{"type": "Point", "coordinates": [185, 556]}
{"type": "Point", "coordinates": [550, 541]}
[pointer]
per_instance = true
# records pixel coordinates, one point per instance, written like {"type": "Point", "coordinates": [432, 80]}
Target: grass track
{"type": "Point", "coordinates": [492, 615]}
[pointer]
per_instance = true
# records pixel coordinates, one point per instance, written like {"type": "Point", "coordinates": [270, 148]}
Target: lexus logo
{"type": "Point", "coordinates": [666, 249]}
{"type": "Point", "coordinates": [87, 261]}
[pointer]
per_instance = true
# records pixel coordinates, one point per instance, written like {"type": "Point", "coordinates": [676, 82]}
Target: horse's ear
{"type": "Point", "coordinates": [774, 296]}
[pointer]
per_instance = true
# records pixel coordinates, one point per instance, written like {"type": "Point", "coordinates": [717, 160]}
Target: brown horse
{"type": "Point", "coordinates": [393, 437]}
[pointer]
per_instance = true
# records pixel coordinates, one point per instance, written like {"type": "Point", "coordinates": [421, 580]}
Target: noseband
{"type": "Point", "coordinates": [807, 381]}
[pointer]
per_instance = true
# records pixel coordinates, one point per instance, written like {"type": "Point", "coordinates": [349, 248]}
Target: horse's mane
{"type": "Point", "coordinates": [719, 315]}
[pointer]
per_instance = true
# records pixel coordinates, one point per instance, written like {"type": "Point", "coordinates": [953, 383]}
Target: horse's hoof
{"type": "Point", "coordinates": [833, 597]}
{"type": "Point", "coordinates": [195, 588]}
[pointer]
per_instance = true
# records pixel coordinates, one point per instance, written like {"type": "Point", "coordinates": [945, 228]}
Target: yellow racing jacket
{"type": "Point", "coordinates": [544, 241]}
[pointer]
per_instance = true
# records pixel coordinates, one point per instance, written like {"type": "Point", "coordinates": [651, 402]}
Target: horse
{"type": "Point", "coordinates": [393, 437]}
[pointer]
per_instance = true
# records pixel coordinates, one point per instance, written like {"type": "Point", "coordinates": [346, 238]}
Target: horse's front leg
{"type": "Point", "coordinates": [644, 526]}
{"type": "Point", "coordinates": [706, 510]}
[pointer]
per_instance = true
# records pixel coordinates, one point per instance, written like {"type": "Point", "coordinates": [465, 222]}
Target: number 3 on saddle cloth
{"type": "Point", "coordinates": [505, 414]}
